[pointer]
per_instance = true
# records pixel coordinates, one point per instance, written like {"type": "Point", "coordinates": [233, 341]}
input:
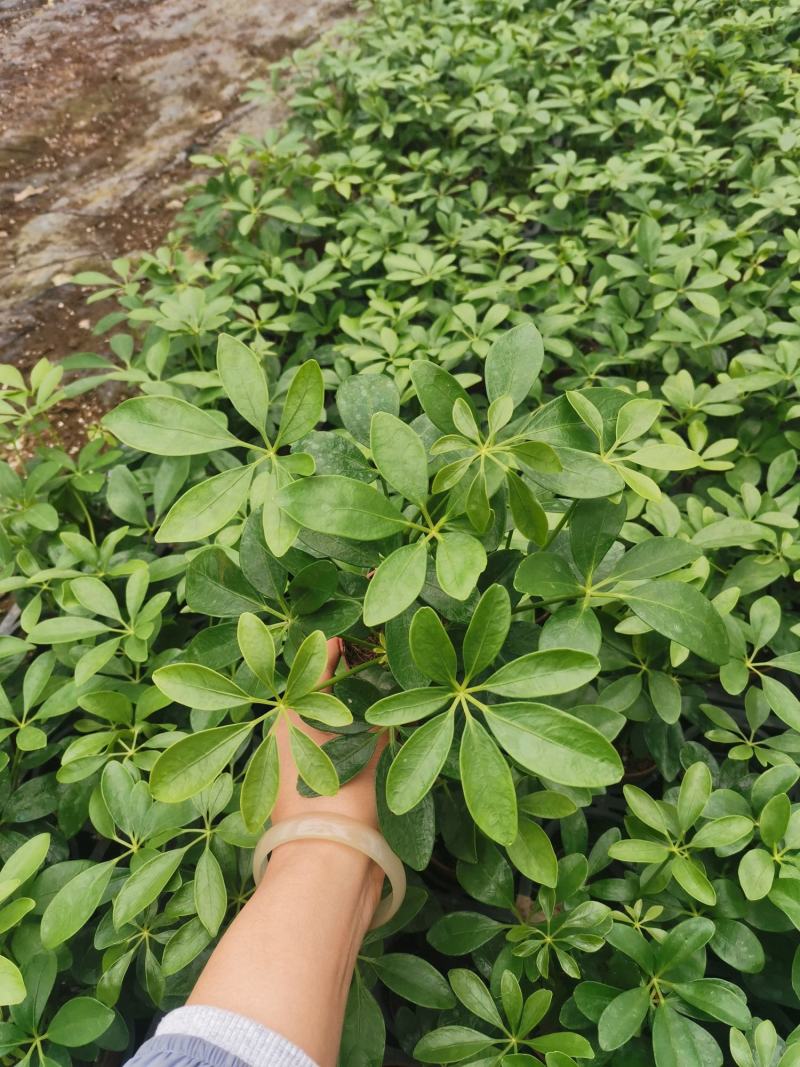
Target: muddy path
{"type": "Point", "coordinates": [101, 104]}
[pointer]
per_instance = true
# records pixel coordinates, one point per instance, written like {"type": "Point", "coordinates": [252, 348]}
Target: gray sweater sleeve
{"type": "Point", "coordinates": [196, 1036]}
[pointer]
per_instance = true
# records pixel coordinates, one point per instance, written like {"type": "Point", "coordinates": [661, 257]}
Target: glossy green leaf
{"type": "Point", "coordinates": [679, 612]}
{"type": "Point", "coordinates": [556, 670]}
{"type": "Point", "coordinates": [206, 507]}
{"type": "Point", "coordinates": [167, 426]}
{"type": "Point", "coordinates": [532, 853]}
{"type": "Point", "coordinates": [418, 763]}
{"type": "Point", "coordinates": [192, 764]}
{"type": "Point", "coordinates": [396, 583]}
{"type": "Point", "coordinates": [487, 630]}
{"type": "Point", "coordinates": [260, 785]}
{"type": "Point", "coordinates": [487, 784]}
{"type": "Point", "coordinates": [400, 456]}
{"type": "Point", "coordinates": [258, 647]}
{"type": "Point", "coordinates": [460, 560]}
{"type": "Point", "coordinates": [341, 507]}
{"type": "Point", "coordinates": [313, 764]}
{"type": "Point", "coordinates": [303, 404]}
{"type": "Point", "coordinates": [554, 744]}
{"type": "Point", "coordinates": [243, 380]}
{"type": "Point", "coordinates": [623, 1018]}
{"type": "Point", "coordinates": [513, 363]}
{"type": "Point", "coordinates": [431, 647]}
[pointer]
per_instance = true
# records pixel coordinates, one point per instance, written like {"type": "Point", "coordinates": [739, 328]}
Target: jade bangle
{"type": "Point", "coordinates": [345, 831]}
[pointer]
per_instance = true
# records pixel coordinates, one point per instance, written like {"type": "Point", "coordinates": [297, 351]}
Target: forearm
{"type": "Point", "coordinates": [288, 958]}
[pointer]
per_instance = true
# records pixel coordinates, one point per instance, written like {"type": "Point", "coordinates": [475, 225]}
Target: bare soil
{"type": "Point", "coordinates": [103, 103]}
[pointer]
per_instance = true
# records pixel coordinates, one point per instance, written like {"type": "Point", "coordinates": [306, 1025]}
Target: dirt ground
{"type": "Point", "coordinates": [101, 104]}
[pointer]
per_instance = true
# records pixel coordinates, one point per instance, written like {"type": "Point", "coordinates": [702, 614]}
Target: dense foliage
{"type": "Point", "coordinates": [487, 361]}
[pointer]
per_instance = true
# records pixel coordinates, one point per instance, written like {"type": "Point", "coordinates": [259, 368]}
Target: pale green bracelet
{"type": "Point", "coordinates": [345, 831]}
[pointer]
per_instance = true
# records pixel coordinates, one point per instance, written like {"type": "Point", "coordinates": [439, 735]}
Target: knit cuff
{"type": "Point", "coordinates": [239, 1036]}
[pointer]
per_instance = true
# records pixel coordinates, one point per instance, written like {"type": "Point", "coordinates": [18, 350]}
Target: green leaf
{"type": "Point", "coordinates": [738, 946]}
{"type": "Point", "coordinates": [341, 507]}
{"type": "Point", "coordinates": [260, 785]}
{"type": "Point", "coordinates": [532, 853]}
{"type": "Point", "coordinates": [323, 708]}
{"type": "Point", "coordinates": [431, 648]}
{"type": "Point", "coordinates": [635, 418]}
{"type": "Point", "coordinates": [145, 884]}
{"type": "Point", "coordinates": [691, 877]}
{"type": "Point", "coordinates": [634, 850]}
{"type": "Point", "coordinates": [437, 391]}
{"type": "Point", "coordinates": [785, 894]}
{"type": "Point", "coordinates": [414, 979]}
{"type": "Point", "coordinates": [583, 476]}
{"type": "Point", "coordinates": [460, 560]}
{"type": "Point", "coordinates": [418, 763]}
{"type": "Point", "coordinates": [779, 697]}
{"type": "Point", "coordinates": [475, 997]}
{"type": "Point", "coordinates": [513, 363]}
{"type": "Point", "coordinates": [487, 783]}
{"type": "Point", "coordinates": [693, 796]}
{"type": "Point", "coordinates": [396, 583]}
{"type": "Point", "coordinates": [96, 597]}
{"type": "Point", "coordinates": [243, 379]}
{"type": "Point", "coordinates": [302, 407]}
{"type": "Point", "coordinates": [562, 1043]}
{"type": "Point", "coordinates": [66, 629]}
{"type": "Point", "coordinates": [74, 904]}
{"type": "Point", "coordinates": [665, 692]}
{"type": "Point", "coordinates": [717, 999]}
{"type": "Point", "coordinates": [622, 1018]}
{"type": "Point", "coordinates": [487, 630]}
{"type": "Point", "coordinates": [666, 457]}
{"type": "Point", "coordinates": [206, 507]}
{"type": "Point", "coordinates": [26, 860]}
{"type": "Point", "coordinates": [411, 835]}
{"type": "Point", "coordinates": [674, 1040]}
{"type": "Point", "coordinates": [199, 687]}
{"type": "Point", "coordinates": [308, 666]}
{"type": "Point", "coordinates": [167, 426]}
{"type": "Point", "coordinates": [683, 941]}
{"type": "Point", "coordinates": [587, 412]}
{"type": "Point", "coordinates": [450, 1044]}
{"type": "Point", "coordinates": [546, 575]}
{"type": "Point", "coordinates": [774, 819]}
{"type": "Point", "coordinates": [191, 764]}
{"type": "Point", "coordinates": [555, 670]}
{"type": "Point", "coordinates": [398, 709]}
{"type": "Point", "coordinates": [12, 984]}
{"type": "Point", "coordinates": [459, 933]}
{"type": "Point", "coordinates": [313, 764]}
{"type": "Point", "coordinates": [279, 528]}
{"type": "Point", "coordinates": [593, 528]}
{"type": "Point", "coordinates": [555, 745]}
{"type": "Point", "coordinates": [400, 456]}
{"type": "Point", "coordinates": [756, 873]}
{"type": "Point", "coordinates": [652, 558]}
{"type": "Point", "coordinates": [258, 648]}
{"type": "Point", "coordinates": [210, 894]}
{"type": "Point", "coordinates": [215, 586]}
{"type": "Point", "coordinates": [360, 396]}
{"type": "Point", "coordinates": [679, 612]}
{"type": "Point", "coordinates": [79, 1022]}
{"type": "Point", "coordinates": [528, 514]}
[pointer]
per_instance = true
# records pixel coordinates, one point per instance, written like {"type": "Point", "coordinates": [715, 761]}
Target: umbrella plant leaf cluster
{"type": "Point", "coordinates": [487, 362]}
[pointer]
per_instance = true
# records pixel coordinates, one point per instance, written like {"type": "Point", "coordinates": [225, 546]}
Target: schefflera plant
{"type": "Point", "coordinates": [467, 524]}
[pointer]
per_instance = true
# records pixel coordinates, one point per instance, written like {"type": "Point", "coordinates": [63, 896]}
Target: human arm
{"type": "Point", "coordinates": [287, 959]}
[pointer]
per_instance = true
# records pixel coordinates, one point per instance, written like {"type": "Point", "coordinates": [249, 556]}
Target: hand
{"type": "Point", "coordinates": [356, 799]}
